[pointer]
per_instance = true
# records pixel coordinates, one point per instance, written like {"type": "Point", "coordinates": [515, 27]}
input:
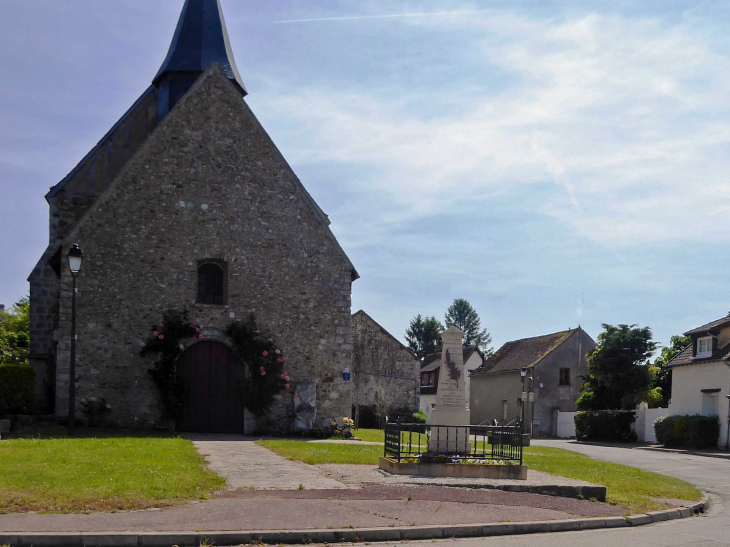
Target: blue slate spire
{"type": "Point", "coordinates": [200, 39]}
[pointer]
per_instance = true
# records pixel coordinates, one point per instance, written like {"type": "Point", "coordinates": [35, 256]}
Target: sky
{"type": "Point", "coordinates": [554, 163]}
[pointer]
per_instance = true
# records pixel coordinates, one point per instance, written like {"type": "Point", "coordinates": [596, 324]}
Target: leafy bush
{"type": "Point", "coordinates": [17, 388]}
{"type": "Point", "coordinates": [687, 431]}
{"type": "Point", "coordinates": [420, 417]}
{"type": "Point", "coordinates": [401, 415]}
{"type": "Point", "coordinates": [15, 334]}
{"type": "Point", "coordinates": [95, 409]}
{"type": "Point", "coordinates": [605, 425]}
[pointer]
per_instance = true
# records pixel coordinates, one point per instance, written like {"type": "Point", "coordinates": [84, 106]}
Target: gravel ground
{"type": "Point", "coordinates": [358, 475]}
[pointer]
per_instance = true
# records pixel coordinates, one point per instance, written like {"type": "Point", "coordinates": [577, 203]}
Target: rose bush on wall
{"type": "Point", "coordinates": [265, 362]}
{"type": "Point", "coordinates": [263, 359]}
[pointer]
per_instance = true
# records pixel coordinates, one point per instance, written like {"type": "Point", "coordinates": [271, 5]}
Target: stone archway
{"type": "Point", "coordinates": [212, 389]}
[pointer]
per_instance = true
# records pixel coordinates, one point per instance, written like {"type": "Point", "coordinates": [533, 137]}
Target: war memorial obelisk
{"type": "Point", "coordinates": [452, 406]}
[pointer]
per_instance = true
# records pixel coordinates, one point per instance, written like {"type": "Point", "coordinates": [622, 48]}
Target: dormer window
{"type": "Point", "coordinates": [704, 346]}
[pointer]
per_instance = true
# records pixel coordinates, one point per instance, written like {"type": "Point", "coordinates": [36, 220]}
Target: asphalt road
{"type": "Point", "coordinates": [712, 529]}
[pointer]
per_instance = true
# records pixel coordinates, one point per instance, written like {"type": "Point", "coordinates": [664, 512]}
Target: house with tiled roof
{"type": "Point", "coordinates": [701, 375]}
{"type": "Point", "coordinates": [553, 365]}
{"type": "Point", "coordinates": [430, 366]}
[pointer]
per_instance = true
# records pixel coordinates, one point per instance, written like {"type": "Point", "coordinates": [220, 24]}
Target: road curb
{"type": "Point", "coordinates": [720, 455]}
{"type": "Point", "coordinates": [587, 492]}
{"type": "Point", "coordinates": [194, 539]}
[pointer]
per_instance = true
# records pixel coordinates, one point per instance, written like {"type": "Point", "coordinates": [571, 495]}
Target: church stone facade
{"type": "Point", "coordinates": [189, 178]}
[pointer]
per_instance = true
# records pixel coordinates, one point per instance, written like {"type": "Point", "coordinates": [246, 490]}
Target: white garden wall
{"type": "Point", "coordinates": [566, 425]}
{"type": "Point", "coordinates": [691, 393]}
{"type": "Point", "coordinates": [645, 418]}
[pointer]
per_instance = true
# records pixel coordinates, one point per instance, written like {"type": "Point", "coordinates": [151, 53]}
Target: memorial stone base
{"type": "Point", "coordinates": [449, 439]}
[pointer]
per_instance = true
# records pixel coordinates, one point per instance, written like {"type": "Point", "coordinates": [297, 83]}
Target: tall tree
{"type": "Point", "coordinates": [661, 374]}
{"type": "Point", "coordinates": [15, 333]}
{"type": "Point", "coordinates": [462, 315]}
{"type": "Point", "coordinates": [618, 372]}
{"type": "Point", "coordinates": [424, 335]}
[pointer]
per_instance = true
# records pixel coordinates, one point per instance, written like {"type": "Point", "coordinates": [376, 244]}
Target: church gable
{"type": "Point", "coordinates": [210, 151]}
{"type": "Point", "coordinates": [208, 194]}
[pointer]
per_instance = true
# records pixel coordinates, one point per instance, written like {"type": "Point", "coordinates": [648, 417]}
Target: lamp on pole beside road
{"type": "Point", "coordinates": [74, 264]}
{"type": "Point", "coordinates": [523, 374]}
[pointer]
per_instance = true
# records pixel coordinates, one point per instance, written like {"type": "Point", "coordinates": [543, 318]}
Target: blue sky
{"type": "Point", "coordinates": [554, 163]}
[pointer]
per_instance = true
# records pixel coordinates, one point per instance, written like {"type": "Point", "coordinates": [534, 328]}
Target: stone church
{"type": "Point", "coordinates": [187, 204]}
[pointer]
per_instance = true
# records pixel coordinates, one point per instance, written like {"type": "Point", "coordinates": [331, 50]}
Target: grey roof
{"type": "Point", "coordinates": [58, 187]}
{"type": "Point", "coordinates": [200, 39]}
{"type": "Point", "coordinates": [685, 357]}
{"type": "Point", "coordinates": [525, 352]}
{"type": "Point", "coordinates": [709, 326]}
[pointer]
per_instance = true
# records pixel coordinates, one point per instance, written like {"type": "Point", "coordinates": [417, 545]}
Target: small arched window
{"type": "Point", "coordinates": [211, 283]}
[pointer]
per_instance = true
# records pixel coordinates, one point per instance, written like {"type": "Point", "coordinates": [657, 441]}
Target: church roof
{"type": "Point", "coordinates": [201, 39]}
{"type": "Point", "coordinates": [526, 352]}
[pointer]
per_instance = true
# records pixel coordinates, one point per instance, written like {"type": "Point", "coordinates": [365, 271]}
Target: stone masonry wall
{"type": "Point", "coordinates": [67, 206]}
{"type": "Point", "coordinates": [375, 350]}
{"type": "Point", "coordinates": [208, 184]}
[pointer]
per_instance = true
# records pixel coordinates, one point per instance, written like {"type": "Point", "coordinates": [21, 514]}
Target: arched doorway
{"type": "Point", "coordinates": [212, 383]}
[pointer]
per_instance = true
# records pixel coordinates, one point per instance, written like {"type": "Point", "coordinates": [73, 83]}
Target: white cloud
{"type": "Point", "coordinates": [627, 120]}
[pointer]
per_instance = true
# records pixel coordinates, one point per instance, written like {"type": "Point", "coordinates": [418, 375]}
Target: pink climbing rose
{"type": "Point", "coordinates": [201, 336]}
{"type": "Point", "coordinates": [263, 373]}
{"type": "Point", "coordinates": [278, 351]}
{"type": "Point", "coordinates": [283, 359]}
{"type": "Point", "coordinates": [182, 346]}
{"type": "Point", "coordinates": [197, 329]}
{"type": "Point", "coordinates": [156, 333]}
{"type": "Point", "coordinates": [283, 376]}
{"type": "Point", "coordinates": [287, 386]}
{"type": "Point", "coordinates": [265, 353]}
{"type": "Point", "coordinates": [162, 325]}
{"type": "Point", "coordinates": [162, 336]}
{"type": "Point", "coordinates": [142, 344]}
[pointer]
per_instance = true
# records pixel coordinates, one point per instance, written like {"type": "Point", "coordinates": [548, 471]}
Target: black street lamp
{"type": "Point", "coordinates": [74, 264]}
{"type": "Point", "coordinates": [523, 374]}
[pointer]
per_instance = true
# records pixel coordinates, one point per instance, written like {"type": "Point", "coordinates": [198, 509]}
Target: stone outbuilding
{"type": "Point", "coordinates": [384, 370]}
{"type": "Point", "coordinates": [553, 363]}
{"type": "Point", "coordinates": [187, 204]}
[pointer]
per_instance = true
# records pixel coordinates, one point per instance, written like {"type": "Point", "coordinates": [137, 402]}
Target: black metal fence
{"type": "Point", "coordinates": [452, 442]}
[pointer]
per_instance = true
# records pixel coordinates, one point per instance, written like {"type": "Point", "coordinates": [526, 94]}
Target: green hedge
{"type": "Point", "coordinates": [605, 425]}
{"type": "Point", "coordinates": [688, 431]}
{"type": "Point", "coordinates": [17, 389]}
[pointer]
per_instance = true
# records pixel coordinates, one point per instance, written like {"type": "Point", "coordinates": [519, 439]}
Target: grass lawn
{"type": "Point", "coordinates": [626, 486]}
{"type": "Point", "coordinates": [370, 435]}
{"type": "Point", "coordinates": [100, 470]}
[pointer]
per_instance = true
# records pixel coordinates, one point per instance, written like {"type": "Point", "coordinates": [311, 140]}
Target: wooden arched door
{"type": "Point", "coordinates": [212, 383]}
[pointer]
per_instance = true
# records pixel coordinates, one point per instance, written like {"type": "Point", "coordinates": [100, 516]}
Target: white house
{"type": "Point", "coordinates": [701, 375]}
{"type": "Point", "coordinates": [473, 359]}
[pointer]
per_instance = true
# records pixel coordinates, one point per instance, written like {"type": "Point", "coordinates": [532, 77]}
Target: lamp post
{"type": "Point", "coordinates": [727, 439]}
{"type": "Point", "coordinates": [523, 374]}
{"type": "Point", "coordinates": [531, 400]}
{"type": "Point", "coordinates": [74, 264]}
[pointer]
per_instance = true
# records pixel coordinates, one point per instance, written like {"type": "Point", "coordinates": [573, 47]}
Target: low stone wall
{"type": "Point", "coordinates": [518, 472]}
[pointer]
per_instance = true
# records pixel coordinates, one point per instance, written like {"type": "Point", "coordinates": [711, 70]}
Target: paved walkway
{"type": "Point", "coordinates": [245, 464]}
